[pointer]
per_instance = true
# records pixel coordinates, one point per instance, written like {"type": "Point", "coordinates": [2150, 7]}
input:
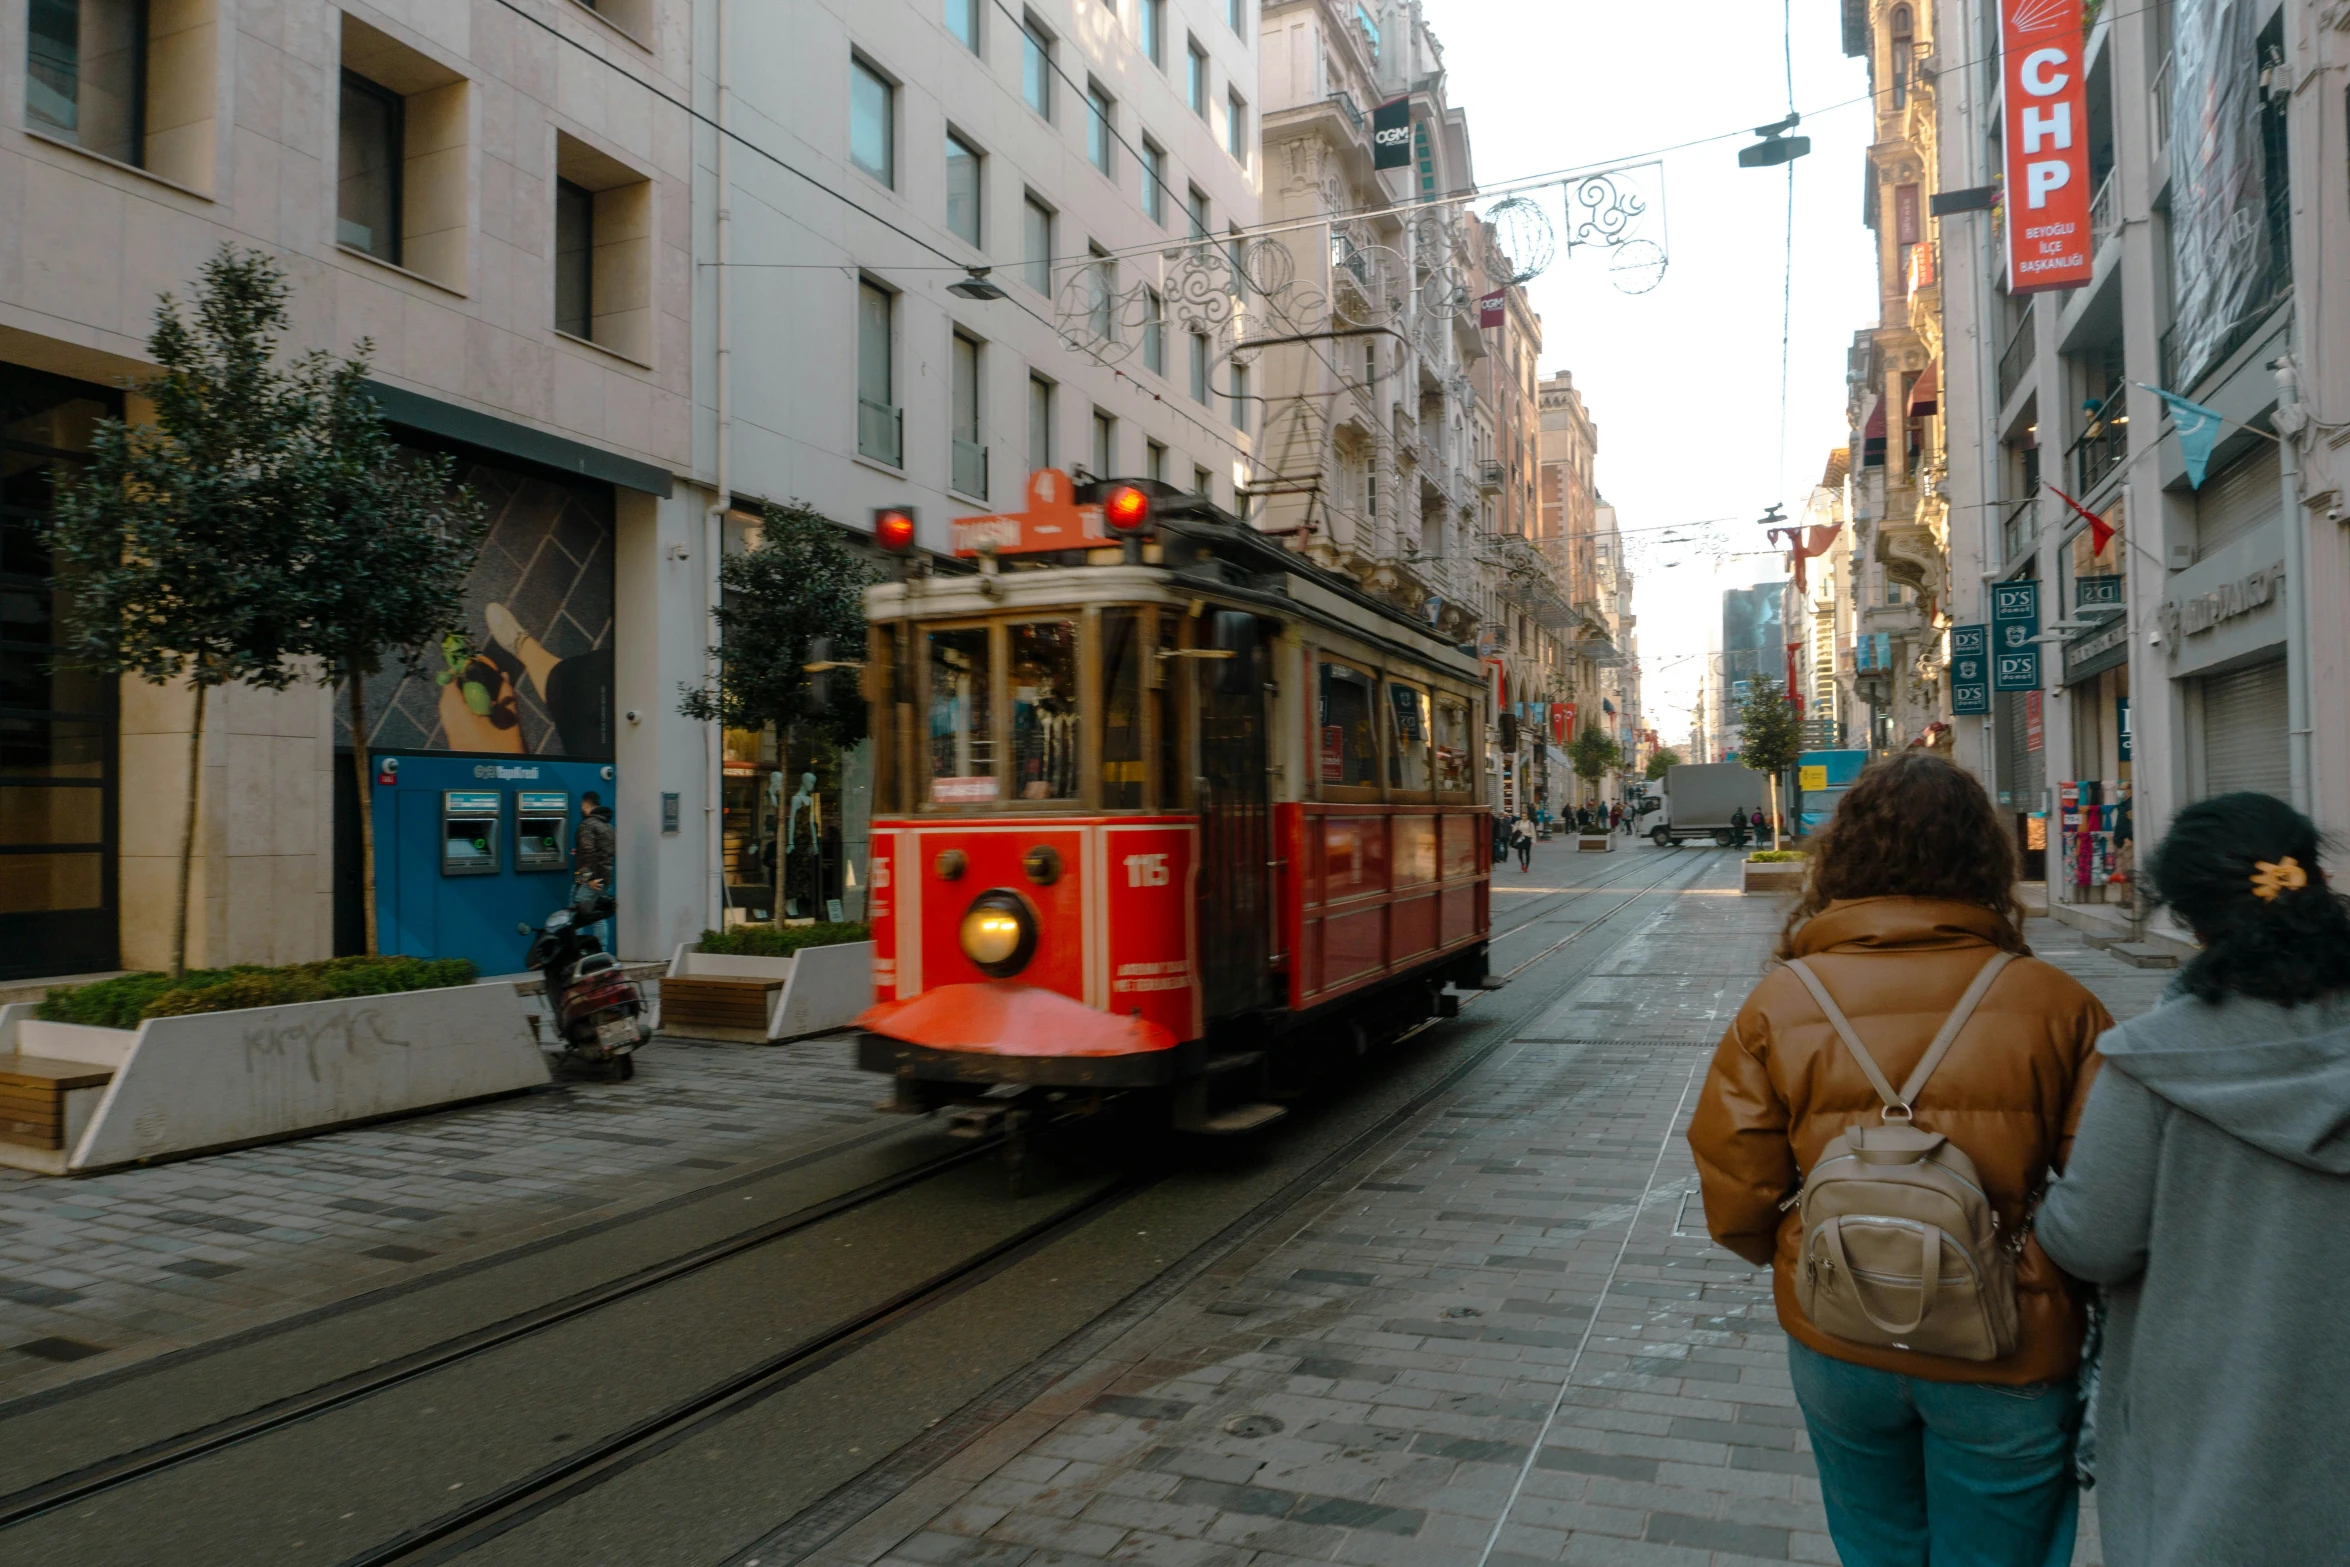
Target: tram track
{"type": "Point", "coordinates": [137, 1486]}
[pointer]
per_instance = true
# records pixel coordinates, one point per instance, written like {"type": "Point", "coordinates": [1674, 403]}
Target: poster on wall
{"type": "Point", "coordinates": [2222, 239]}
{"type": "Point", "coordinates": [2047, 145]}
{"type": "Point", "coordinates": [530, 671]}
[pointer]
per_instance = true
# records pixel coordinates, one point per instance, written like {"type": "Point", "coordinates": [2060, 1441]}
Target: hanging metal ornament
{"type": "Point", "coordinates": [1637, 266]}
{"type": "Point", "coordinates": [1522, 232]}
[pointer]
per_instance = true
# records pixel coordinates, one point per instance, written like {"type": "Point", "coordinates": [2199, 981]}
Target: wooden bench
{"type": "Point", "coordinates": [735, 1005]}
{"type": "Point", "coordinates": [32, 1097]}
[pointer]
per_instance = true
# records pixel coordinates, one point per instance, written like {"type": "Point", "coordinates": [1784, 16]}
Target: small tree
{"type": "Point", "coordinates": [801, 585]}
{"type": "Point", "coordinates": [1772, 738]}
{"type": "Point", "coordinates": [389, 541]}
{"type": "Point", "coordinates": [1592, 753]}
{"type": "Point", "coordinates": [182, 536]}
{"type": "Point", "coordinates": [1661, 762]}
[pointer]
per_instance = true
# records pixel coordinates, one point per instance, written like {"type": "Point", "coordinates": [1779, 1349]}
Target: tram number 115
{"type": "Point", "coordinates": [1146, 870]}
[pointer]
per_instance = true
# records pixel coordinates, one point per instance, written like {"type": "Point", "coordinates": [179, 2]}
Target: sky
{"type": "Point", "coordinates": [1684, 380]}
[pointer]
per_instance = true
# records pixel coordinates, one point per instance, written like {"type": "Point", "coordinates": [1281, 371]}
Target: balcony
{"type": "Point", "coordinates": [2104, 443]}
{"type": "Point", "coordinates": [881, 432]}
{"type": "Point", "coordinates": [967, 473]}
{"type": "Point", "coordinates": [1489, 478]}
{"type": "Point", "coordinates": [2016, 362]}
{"type": "Point", "coordinates": [2102, 209]}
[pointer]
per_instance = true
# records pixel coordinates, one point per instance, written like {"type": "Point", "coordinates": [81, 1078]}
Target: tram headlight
{"type": "Point", "coordinates": [998, 934]}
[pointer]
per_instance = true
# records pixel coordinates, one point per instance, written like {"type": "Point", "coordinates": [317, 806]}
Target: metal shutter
{"type": "Point", "coordinates": [2238, 498]}
{"type": "Point", "coordinates": [2244, 732]}
{"type": "Point", "coordinates": [2023, 774]}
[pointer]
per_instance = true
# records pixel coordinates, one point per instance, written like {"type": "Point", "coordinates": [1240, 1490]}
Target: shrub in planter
{"type": "Point", "coordinates": [768, 941]}
{"type": "Point", "coordinates": [1774, 856]}
{"type": "Point", "coordinates": [124, 1001]}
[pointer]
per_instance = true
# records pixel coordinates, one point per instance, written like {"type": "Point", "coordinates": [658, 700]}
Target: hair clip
{"type": "Point", "coordinates": [2285, 875]}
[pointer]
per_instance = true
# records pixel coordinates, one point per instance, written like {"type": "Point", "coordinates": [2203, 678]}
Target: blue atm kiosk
{"type": "Point", "coordinates": [467, 846]}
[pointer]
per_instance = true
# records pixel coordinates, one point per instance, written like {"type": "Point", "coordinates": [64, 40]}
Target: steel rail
{"type": "Point", "coordinates": [109, 1474]}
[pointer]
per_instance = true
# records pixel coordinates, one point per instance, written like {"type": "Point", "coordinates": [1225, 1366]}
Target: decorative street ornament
{"type": "Point", "coordinates": [2047, 145]}
{"type": "Point", "coordinates": [1638, 266]}
{"type": "Point", "coordinates": [1522, 232]}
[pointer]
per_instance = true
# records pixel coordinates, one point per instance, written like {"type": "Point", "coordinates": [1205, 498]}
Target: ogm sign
{"type": "Point", "coordinates": [2047, 146]}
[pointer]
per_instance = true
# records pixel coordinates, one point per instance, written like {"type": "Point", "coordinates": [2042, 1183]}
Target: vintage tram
{"type": "Point", "coordinates": [1160, 806]}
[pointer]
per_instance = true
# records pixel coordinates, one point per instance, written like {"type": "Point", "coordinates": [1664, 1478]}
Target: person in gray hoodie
{"type": "Point", "coordinates": [2209, 1193]}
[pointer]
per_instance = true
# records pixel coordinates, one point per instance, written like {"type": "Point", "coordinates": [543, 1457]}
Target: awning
{"type": "Point", "coordinates": [1872, 435]}
{"type": "Point", "coordinates": [1922, 393]}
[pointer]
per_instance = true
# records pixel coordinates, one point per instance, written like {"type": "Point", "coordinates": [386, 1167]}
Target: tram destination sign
{"type": "Point", "coordinates": [1053, 521]}
{"type": "Point", "coordinates": [1970, 669]}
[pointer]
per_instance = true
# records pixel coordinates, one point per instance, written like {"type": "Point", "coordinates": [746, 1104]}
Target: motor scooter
{"type": "Point", "coordinates": [599, 1012]}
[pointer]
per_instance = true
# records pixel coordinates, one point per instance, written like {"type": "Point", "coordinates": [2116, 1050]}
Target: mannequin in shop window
{"type": "Point", "coordinates": [802, 833]}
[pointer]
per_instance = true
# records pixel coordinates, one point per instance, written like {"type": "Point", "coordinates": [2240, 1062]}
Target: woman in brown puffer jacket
{"type": "Point", "coordinates": [1922, 1458]}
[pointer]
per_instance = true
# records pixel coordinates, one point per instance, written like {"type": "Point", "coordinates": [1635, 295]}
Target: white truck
{"type": "Point", "coordinates": [1699, 799]}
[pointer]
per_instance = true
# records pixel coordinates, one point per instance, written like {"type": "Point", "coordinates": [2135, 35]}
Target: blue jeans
{"type": "Point", "coordinates": [1940, 1474]}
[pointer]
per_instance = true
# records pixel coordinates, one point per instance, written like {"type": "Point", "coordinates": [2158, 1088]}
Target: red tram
{"type": "Point", "coordinates": [1160, 805]}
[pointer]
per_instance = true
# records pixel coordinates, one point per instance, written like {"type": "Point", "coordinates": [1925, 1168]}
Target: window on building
{"type": "Point", "coordinates": [1202, 481]}
{"type": "Point", "coordinates": [872, 122]}
{"type": "Point", "coordinates": [878, 424]}
{"type": "Point", "coordinates": [1236, 128]}
{"type": "Point", "coordinates": [367, 187]}
{"type": "Point", "coordinates": [1154, 462]}
{"type": "Point", "coordinates": [1036, 65]}
{"type": "Point", "coordinates": [1235, 13]}
{"type": "Point", "coordinates": [1195, 208]}
{"type": "Point", "coordinates": [1199, 367]}
{"type": "Point", "coordinates": [603, 283]}
{"type": "Point", "coordinates": [1154, 181]}
{"type": "Point", "coordinates": [1154, 32]}
{"type": "Point", "coordinates": [1101, 295]}
{"type": "Point", "coordinates": [1195, 82]}
{"type": "Point", "coordinates": [1906, 221]}
{"type": "Point", "coordinates": [1100, 120]}
{"type": "Point", "coordinates": [1040, 423]}
{"type": "Point", "coordinates": [1903, 28]}
{"type": "Point", "coordinates": [1240, 397]}
{"type": "Point", "coordinates": [1154, 332]}
{"type": "Point", "coordinates": [963, 189]}
{"type": "Point", "coordinates": [86, 75]}
{"type": "Point", "coordinates": [575, 257]}
{"type": "Point", "coordinates": [967, 451]}
{"type": "Point", "coordinates": [1105, 445]}
{"type": "Point", "coordinates": [963, 22]}
{"type": "Point", "coordinates": [1036, 245]}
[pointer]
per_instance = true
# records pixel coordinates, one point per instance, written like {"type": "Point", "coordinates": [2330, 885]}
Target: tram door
{"type": "Point", "coordinates": [1236, 820]}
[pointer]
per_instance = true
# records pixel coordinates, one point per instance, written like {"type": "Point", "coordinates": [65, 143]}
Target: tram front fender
{"type": "Point", "coordinates": [1006, 1032]}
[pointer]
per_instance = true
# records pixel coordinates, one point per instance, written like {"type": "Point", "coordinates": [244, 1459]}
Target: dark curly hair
{"type": "Point", "coordinates": [2290, 949]}
{"type": "Point", "coordinates": [1913, 826]}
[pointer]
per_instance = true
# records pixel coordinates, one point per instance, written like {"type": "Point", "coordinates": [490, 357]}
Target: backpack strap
{"type": "Point", "coordinates": [1943, 1039]}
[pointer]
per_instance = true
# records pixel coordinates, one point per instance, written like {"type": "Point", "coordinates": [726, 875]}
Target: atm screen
{"type": "Point", "coordinates": [468, 842]}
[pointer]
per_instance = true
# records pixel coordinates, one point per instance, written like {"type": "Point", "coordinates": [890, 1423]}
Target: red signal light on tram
{"type": "Point", "coordinates": [1125, 509]}
{"type": "Point", "coordinates": [893, 528]}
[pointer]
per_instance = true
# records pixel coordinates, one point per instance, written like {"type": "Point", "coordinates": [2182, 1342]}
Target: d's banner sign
{"type": "Point", "coordinates": [2047, 144]}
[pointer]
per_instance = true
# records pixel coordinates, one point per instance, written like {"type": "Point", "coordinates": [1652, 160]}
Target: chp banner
{"type": "Point", "coordinates": [2047, 142]}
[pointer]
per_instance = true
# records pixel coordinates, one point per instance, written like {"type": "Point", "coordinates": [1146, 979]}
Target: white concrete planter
{"type": "Point", "coordinates": [185, 1085]}
{"type": "Point", "coordinates": [822, 988]}
{"type": "Point", "coordinates": [1772, 876]}
{"type": "Point", "coordinates": [1595, 843]}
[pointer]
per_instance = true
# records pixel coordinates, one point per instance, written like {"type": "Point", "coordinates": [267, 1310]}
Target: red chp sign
{"type": "Point", "coordinates": [2047, 141]}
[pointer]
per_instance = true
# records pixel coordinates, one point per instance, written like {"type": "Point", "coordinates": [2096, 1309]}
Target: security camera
{"type": "Point", "coordinates": [633, 715]}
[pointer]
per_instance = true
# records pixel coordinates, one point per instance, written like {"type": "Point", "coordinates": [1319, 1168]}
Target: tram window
{"type": "Point", "coordinates": [1044, 710]}
{"type": "Point", "coordinates": [1350, 752]}
{"type": "Point", "coordinates": [1407, 753]}
{"type": "Point", "coordinates": [1452, 744]}
{"type": "Point", "coordinates": [1122, 753]}
{"type": "Point", "coordinates": [1165, 709]}
{"type": "Point", "coordinates": [962, 724]}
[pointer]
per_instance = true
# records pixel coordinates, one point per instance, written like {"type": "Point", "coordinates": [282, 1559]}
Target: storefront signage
{"type": "Point", "coordinates": [1391, 135]}
{"type": "Point", "coordinates": [1970, 669]}
{"type": "Point", "coordinates": [2097, 650]}
{"type": "Point", "coordinates": [2121, 716]}
{"type": "Point", "coordinates": [2015, 621]}
{"type": "Point", "coordinates": [2035, 725]}
{"type": "Point", "coordinates": [2187, 617]}
{"type": "Point", "coordinates": [2047, 143]}
{"type": "Point", "coordinates": [2099, 592]}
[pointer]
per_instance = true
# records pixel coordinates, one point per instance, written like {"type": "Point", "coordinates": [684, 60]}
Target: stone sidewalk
{"type": "Point", "coordinates": [102, 1270]}
{"type": "Point", "coordinates": [1504, 1339]}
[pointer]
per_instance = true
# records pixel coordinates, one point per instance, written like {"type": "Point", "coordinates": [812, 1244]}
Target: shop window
{"type": "Point", "coordinates": [1453, 774]}
{"type": "Point", "coordinates": [1348, 747]}
{"type": "Point", "coordinates": [1407, 737]}
{"type": "Point", "coordinates": [962, 723]}
{"type": "Point", "coordinates": [401, 178]}
{"type": "Point", "coordinates": [603, 250]}
{"type": "Point", "coordinates": [1044, 713]}
{"type": "Point", "coordinates": [1123, 765]}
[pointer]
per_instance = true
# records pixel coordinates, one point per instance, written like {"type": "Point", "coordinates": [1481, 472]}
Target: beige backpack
{"type": "Point", "coordinates": [1901, 1247]}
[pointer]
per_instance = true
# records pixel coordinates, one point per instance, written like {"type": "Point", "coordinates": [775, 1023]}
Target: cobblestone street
{"type": "Point", "coordinates": [1505, 1338]}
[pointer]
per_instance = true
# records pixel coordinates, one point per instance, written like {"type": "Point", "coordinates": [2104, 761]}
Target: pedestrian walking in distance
{"type": "Point", "coordinates": [1523, 836]}
{"type": "Point", "coordinates": [1932, 1345]}
{"type": "Point", "coordinates": [1738, 828]}
{"type": "Point", "coordinates": [2209, 1192]}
